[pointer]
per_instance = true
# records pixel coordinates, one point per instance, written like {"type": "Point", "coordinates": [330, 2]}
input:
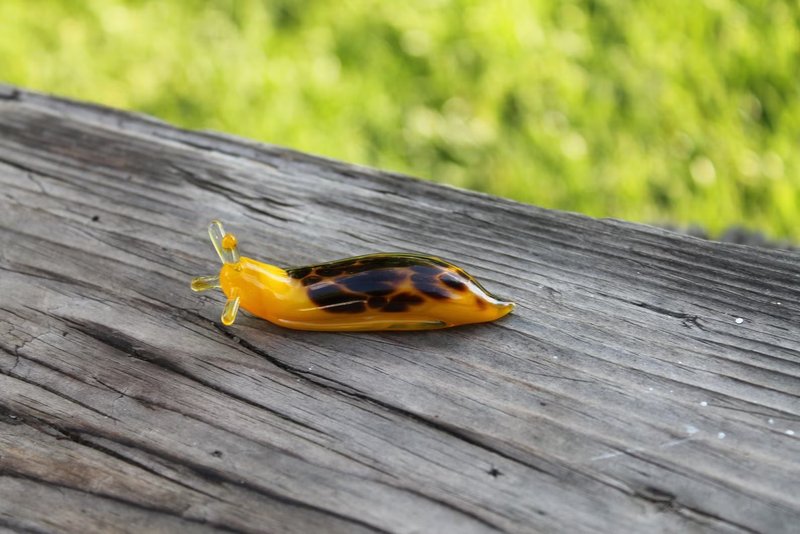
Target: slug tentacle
{"type": "Point", "coordinates": [204, 283]}
{"type": "Point", "coordinates": [231, 308]}
{"type": "Point", "coordinates": [225, 244]}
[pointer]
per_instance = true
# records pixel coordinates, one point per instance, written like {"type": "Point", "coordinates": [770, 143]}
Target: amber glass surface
{"type": "Point", "coordinates": [390, 291]}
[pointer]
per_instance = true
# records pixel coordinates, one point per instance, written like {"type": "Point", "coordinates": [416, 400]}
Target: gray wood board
{"type": "Point", "coordinates": [646, 381]}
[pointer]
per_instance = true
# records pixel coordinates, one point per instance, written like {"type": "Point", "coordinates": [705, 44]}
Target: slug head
{"type": "Point", "coordinates": [228, 252]}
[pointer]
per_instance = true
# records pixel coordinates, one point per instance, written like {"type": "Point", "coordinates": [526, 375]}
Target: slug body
{"type": "Point", "coordinates": [373, 292]}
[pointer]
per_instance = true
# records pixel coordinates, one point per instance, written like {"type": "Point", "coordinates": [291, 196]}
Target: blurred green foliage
{"type": "Point", "coordinates": [685, 111]}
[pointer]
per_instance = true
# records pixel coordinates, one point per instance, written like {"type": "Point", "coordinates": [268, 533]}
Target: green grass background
{"type": "Point", "coordinates": [675, 111]}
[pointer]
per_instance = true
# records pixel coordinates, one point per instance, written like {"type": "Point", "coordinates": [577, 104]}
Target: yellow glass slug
{"type": "Point", "coordinates": [373, 292]}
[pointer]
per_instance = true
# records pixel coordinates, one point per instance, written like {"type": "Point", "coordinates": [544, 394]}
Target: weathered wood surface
{"type": "Point", "coordinates": [624, 394]}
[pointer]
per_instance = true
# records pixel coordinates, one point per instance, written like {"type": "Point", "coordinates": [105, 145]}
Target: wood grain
{"type": "Point", "coordinates": [647, 381]}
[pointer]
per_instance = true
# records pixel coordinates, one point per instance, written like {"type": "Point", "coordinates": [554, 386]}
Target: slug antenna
{"type": "Point", "coordinates": [231, 308]}
{"type": "Point", "coordinates": [204, 283]}
{"type": "Point", "coordinates": [224, 244]}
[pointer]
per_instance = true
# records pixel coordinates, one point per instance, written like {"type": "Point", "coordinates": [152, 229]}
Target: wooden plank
{"type": "Point", "coordinates": [647, 380]}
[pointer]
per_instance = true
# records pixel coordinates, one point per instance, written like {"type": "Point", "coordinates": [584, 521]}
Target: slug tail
{"type": "Point", "coordinates": [503, 308]}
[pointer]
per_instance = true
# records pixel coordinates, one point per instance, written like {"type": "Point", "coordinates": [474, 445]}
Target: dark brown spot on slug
{"type": "Point", "coordinates": [313, 279]}
{"type": "Point", "coordinates": [430, 287]}
{"type": "Point", "coordinates": [453, 281]}
{"type": "Point", "coordinates": [377, 282]}
{"type": "Point", "coordinates": [401, 302]}
{"type": "Point", "coordinates": [332, 298]}
{"type": "Point", "coordinates": [377, 302]}
{"type": "Point", "coordinates": [349, 307]}
{"type": "Point", "coordinates": [426, 270]}
{"type": "Point", "coordinates": [329, 272]}
{"type": "Point", "coordinates": [395, 307]}
{"type": "Point", "coordinates": [298, 272]}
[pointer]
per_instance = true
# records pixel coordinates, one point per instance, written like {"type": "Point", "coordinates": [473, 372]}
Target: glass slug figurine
{"type": "Point", "coordinates": [373, 292]}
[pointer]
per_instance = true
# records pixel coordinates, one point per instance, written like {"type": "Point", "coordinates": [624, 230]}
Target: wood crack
{"type": "Point", "coordinates": [57, 393]}
{"type": "Point", "coordinates": [140, 506]}
{"type": "Point", "coordinates": [205, 472]}
{"type": "Point", "coordinates": [351, 392]}
{"type": "Point", "coordinates": [237, 197]}
{"type": "Point", "coordinates": [441, 502]}
{"type": "Point", "coordinates": [122, 343]}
